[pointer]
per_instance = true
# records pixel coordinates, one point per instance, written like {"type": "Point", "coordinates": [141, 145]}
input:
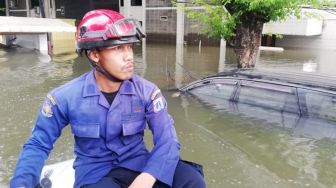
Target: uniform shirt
{"type": "Point", "coordinates": [106, 136]}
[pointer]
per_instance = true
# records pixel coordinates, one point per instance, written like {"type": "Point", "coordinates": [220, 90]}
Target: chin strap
{"type": "Point", "coordinates": [101, 69]}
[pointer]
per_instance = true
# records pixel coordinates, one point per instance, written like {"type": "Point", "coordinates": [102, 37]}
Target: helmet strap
{"type": "Point", "coordinates": [101, 69]}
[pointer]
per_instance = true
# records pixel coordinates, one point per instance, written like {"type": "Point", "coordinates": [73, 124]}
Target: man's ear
{"type": "Point", "coordinates": [93, 55]}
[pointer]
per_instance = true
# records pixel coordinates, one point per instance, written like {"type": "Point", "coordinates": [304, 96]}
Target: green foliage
{"type": "Point", "coordinates": [218, 21]}
{"type": "Point", "coordinates": [329, 4]}
{"type": "Point", "coordinates": [222, 16]}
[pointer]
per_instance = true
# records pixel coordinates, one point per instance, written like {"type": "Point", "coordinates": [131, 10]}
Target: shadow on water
{"type": "Point", "coordinates": [236, 150]}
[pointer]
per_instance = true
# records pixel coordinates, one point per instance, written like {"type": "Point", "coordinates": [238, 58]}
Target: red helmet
{"type": "Point", "coordinates": [103, 28]}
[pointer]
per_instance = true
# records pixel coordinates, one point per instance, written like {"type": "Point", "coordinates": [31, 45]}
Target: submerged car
{"type": "Point", "coordinates": [304, 103]}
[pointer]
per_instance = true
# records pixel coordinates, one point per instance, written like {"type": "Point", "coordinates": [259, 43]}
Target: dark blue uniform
{"type": "Point", "coordinates": [106, 136]}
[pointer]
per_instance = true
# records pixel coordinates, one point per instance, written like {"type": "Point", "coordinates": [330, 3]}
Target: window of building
{"type": "Point", "coordinates": [164, 18]}
{"type": "Point", "coordinates": [136, 2]}
{"type": "Point", "coordinates": [133, 3]}
{"type": "Point", "coordinates": [2, 8]}
{"type": "Point", "coordinates": [35, 3]}
{"type": "Point", "coordinates": [17, 5]}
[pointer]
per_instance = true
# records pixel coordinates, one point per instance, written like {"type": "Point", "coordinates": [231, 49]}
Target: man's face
{"type": "Point", "coordinates": [117, 60]}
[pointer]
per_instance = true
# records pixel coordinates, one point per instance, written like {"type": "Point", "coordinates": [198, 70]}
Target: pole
{"type": "Point", "coordinates": [41, 2]}
{"type": "Point", "coordinates": [43, 15]}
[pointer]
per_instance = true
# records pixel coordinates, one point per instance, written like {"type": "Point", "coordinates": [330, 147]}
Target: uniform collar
{"type": "Point", "coordinates": [127, 87]}
{"type": "Point", "coordinates": [91, 86]}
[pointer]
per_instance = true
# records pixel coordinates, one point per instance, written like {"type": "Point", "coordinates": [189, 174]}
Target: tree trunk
{"type": "Point", "coordinates": [247, 42]}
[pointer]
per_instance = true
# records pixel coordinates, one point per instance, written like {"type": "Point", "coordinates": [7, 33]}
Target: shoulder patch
{"type": "Point", "coordinates": [158, 105]}
{"type": "Point", "coordinates": [51, 99]}
{"type": "Point", "coordinates": [46, 109]}
{"type": "Point", "coordinates": [155, 93]}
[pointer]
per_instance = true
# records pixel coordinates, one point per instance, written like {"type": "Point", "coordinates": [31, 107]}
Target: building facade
{"type": "Point", "coordinates": [160, 20]}
{"type": "Point", "coordinates": [158, 17]}
{"type": "Point", "coordinates": [72, 9]}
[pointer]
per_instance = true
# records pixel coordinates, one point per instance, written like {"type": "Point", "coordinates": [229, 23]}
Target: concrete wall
{"type": "Point", "coordinates": [161, 25]}
{"type": "Point", "coordinates": [299, 27]}
{"type": "Point", "coordinates": [159, 3]}
{"type": "Point", "coordinates": [64, 42]}
{"type": "Point", "coordinates": [160, 17]}
{"type": "Point", "coordinates": [135, 12]}
{"type": "Point", "coordinates": [325, 41]}
{"type": "Point", "coordinates": [161, 21]}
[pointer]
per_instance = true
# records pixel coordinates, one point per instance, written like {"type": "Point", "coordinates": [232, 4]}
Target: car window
{"type": "Point", "coordinates": [218, 90]}
{"type": "Point", "coordinates": [321, 105]}
{"type": "Point", "coordinates": [273, 96]}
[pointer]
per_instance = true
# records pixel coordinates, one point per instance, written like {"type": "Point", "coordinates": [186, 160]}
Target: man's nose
{"type": "Point", "coordinates": [128, 54]}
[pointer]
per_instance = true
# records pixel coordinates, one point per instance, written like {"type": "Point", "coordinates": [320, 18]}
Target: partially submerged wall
{"type": "Point", "coordinates": [325, 41]}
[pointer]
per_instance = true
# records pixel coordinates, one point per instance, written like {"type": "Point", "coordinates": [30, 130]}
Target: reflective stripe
{"type": "Point", "coordinates": [51, 99]}
{"type": "Point", "coordinates": [155, 93]}
{"type": "Point", "coordinates": [94, 34]}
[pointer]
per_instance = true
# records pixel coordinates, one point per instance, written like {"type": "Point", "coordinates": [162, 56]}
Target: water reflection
{"type": "Point", "coordinates": [222, 53]}
{"type": "Point", "coordinates": [237, 151]}
{"type": "Point", "coordinates": [179, 72]}
{"type": "Point", "coordinates": [309, 66]}
{"type": "Point", "coordinates": [299, 60]}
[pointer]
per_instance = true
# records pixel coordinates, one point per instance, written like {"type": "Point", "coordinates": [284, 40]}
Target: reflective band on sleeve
{"type": "Point", "coordinates": [155, 93]}
{"type": "Point", "coordinates": [51, 99]}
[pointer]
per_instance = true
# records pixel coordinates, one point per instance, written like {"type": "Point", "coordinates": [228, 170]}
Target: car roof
{"type": "Point", "coordinates": [302, 80]}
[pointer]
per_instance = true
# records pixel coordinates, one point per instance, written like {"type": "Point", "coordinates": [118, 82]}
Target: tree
{"type": "Point", "coordinates": [241, 21]}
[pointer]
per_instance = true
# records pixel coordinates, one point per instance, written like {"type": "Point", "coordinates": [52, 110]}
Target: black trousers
{"type": "Point", "coordinates": [187, 175]}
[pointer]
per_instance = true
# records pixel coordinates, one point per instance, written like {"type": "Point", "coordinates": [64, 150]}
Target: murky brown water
{"type": "Point", "coordinates": [236, 151]}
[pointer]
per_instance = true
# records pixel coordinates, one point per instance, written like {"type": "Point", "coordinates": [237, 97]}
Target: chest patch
{"type": "Point", "coordinates": [137, 106]}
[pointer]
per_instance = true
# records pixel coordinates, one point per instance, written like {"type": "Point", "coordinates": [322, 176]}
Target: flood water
{"type": "Point", "coordinates": [236, 151]}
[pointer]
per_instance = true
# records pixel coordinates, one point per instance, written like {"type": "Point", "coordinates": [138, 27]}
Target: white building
{"type": "Point", "coordinates": [318, 30]}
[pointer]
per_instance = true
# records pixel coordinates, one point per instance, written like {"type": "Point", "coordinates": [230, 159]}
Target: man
{"type": "Point", "coordinates": [107, 109]}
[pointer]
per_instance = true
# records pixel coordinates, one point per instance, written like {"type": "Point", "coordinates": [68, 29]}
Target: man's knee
{"type": "Point", "coordinates": [196, 180]}
{"type": "Point", "coordinates": [188, 175]}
